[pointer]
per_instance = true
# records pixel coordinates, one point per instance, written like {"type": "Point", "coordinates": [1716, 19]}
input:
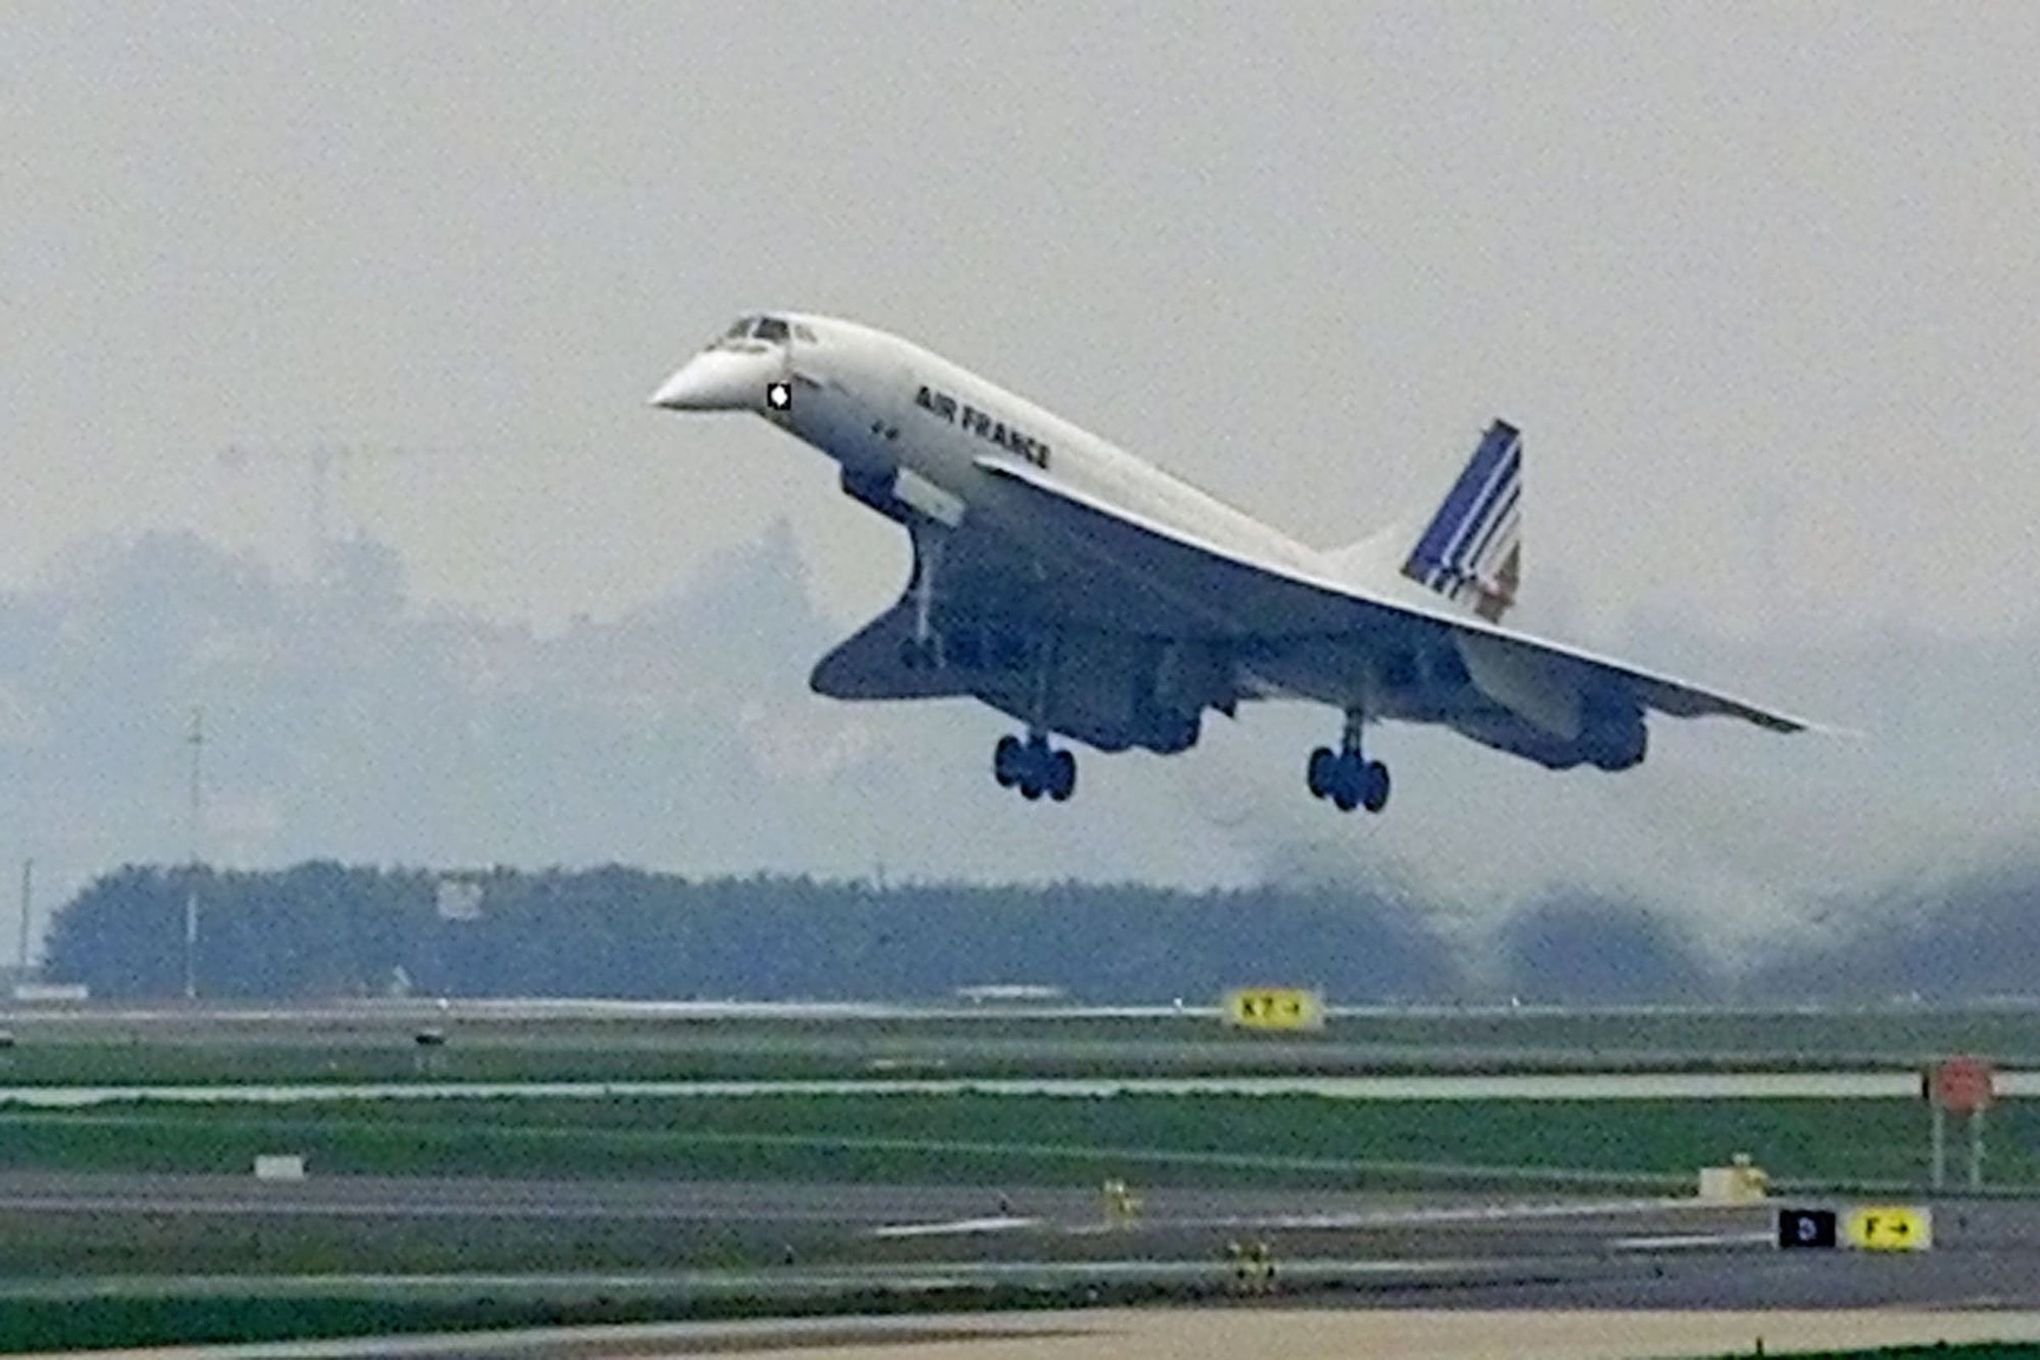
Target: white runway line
{"type": "Point", "coordinates": [1691, 1241]}
{"type": "Point", "coordinates": [1476, 1213]}
{"type": "Point", "coordinates": [955, 1227]}
{"type": "Point", "coordinates": [1578, 1086]}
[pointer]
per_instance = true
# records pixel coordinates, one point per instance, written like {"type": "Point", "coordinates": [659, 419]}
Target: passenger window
{"type": "Point", "coordinates": [804, 333]}
{"type": "Point", "coordinates": [770, 328]}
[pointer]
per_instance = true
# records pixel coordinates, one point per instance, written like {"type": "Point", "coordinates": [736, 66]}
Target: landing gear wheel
{"type": "Point", "coordinates": [1374, 786]}
{"type": "Point", "coordinates": [1321, 771]}
{"type": "Point", "coordinates": [1062, 776]}
{"type": "Point", "coordinates": [1346, 776]}
{"type": "Point", "coordinates": [1035, 768]}
{"type": "Point", "coordinates": [1008, 758]}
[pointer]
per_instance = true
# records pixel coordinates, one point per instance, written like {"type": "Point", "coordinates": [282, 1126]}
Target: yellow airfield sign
{"type": "Point", "coordinates": [1289, 1008]}
{"type": "Point", "coordinates": [1889, 1227]}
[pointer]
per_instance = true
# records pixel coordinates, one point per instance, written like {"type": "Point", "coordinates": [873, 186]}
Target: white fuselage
{"type": "Point", "coordinates": [947, 418]}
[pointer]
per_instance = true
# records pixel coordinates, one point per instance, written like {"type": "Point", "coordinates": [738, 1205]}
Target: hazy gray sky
{"type": "Point", "coordinates": [1762, 285]}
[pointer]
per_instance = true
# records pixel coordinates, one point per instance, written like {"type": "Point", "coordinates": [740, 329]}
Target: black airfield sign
{"type": "Point", "coordinates": [1806, 1228]}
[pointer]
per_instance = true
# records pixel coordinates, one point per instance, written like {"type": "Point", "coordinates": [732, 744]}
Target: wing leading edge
{"type": "Point", "coordinates": [1261, 600]}
{"type": "Point", "coordinates": [867, 665]}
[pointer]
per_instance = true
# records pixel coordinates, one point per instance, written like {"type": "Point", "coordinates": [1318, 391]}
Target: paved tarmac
{"type": "Point", "coordinates": [932, 1210]}
{"type": "Point", "coordinates": [571, 1038]}
{"type": "Point", "coordinates": [1356, 1250]}
{"type": "Point", "coordinates": [1540, 1086]}
{"type": "Point", "coordinates": [1189, 1334]}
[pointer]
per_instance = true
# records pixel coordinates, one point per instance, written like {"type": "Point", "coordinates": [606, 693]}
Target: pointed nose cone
{"type": "Point", "coordinates": [677, 393]}
{"type": "Point", "coordinates": [718, 380]}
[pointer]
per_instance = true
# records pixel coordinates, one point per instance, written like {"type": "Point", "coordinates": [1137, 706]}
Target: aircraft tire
{"type": "Point", "coordinates": [1062, 776]}
{"type": "Point", "coordinates": [1007, 758]}
{"type": "Point", "coordinates": [1320, 773]}
{"type": "Point", "coordinates": [1346, 790]}
{"type": "Point", "coordinates": [1374, 786]}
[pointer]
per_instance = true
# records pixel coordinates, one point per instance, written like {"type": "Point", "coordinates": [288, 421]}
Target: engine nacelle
{"type": "Point", "coordinates": [1615, 741]}
{"type": "Point", "coordinates": [1115, 691]}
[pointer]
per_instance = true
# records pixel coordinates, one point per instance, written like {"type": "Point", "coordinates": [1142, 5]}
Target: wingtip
{"type": "Point", "coordinates": [1789, 725]}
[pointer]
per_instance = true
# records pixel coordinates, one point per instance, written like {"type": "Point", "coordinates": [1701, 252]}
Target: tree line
{"type": "Point", "coordinates": [323, 929]}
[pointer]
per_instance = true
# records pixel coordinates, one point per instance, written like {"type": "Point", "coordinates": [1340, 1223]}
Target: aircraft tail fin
{"type": "Point", "coordinates": [1472, 553]}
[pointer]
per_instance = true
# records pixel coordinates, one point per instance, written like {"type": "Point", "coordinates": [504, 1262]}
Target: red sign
{"type": "Point", "coordinates": [1963, 1085]}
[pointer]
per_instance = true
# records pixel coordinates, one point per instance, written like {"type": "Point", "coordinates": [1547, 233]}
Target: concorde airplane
{"type": "Point", "coordinates": [1086, 593]}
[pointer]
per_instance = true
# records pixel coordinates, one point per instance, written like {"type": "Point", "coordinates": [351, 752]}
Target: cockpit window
{"type": "Point", "coordinates": [768, 329]}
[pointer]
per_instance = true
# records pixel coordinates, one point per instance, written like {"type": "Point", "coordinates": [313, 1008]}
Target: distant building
{"type": "Point", "coordinates": [1011, 992]}
{"type": "Point", "coordinates": [460, 899]}
{"type": "Point", "coordinates": [47, 993]}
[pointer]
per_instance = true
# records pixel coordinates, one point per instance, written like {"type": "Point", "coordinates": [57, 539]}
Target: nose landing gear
{"type": "Point", "coordinates": [922, 650]}
{"type": "Point", "coordinates": [1034, 767]}
{"type": "Point", "coordinates": [1345, 776]}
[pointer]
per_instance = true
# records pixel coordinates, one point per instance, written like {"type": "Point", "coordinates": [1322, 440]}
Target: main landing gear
{"type": "Point", "coordinates": [1345, 776]}
{"type": "Point", "coordinates": [1034, 767]}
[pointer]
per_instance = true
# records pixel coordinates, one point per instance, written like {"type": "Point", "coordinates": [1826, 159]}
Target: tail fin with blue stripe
{"type": "Point", "coordinates": [1472, 551]}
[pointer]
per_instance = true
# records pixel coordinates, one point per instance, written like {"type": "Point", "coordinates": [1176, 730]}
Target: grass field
{"type": "Point", "coordinates": [974, 1139]}
{"type": "Point", "coordinates": [226, 1318]}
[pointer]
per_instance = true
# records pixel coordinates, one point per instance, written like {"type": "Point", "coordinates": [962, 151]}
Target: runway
{"type": "Point", "coordinates": [553, 1010]}
{"type": "Point", "coordinates": [852, 1205]}
{"type": "Point", "coordinates": [552, 1043]}
{"type": "Point", "coordinates": [1356, 1250]}
{"type": "Point", "coordinates": [1555, 1086]}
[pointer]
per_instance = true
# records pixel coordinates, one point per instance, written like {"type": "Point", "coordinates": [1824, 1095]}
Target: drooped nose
{"type": "Point", "coordinates": [718, 380]}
